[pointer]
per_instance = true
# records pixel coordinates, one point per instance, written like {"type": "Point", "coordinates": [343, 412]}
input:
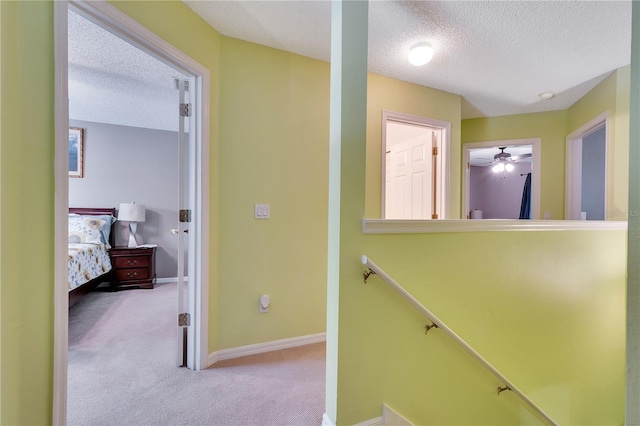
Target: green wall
{"type": "Point", "coordinates": [546, 308]}
{"type": "Point", "coordinates": [26, 201]}
{"type": "Point", "coordinates": [550, 127]}
{"type": "Point", "coordinates": [384, 93]}
{"type": "Point", "coordinates": [274, 131]}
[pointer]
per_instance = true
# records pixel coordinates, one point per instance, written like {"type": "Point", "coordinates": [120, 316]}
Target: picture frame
{"type": "Point", "coordinates": [76, 152]}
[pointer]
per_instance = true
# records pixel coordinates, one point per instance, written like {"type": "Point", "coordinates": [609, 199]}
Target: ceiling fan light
{"type": "Point", "coordinates": [498, 168]}
{"type": "Point", "coordinates": [509, 167]}
{"type": "Point", "coordinates": [420, 54]}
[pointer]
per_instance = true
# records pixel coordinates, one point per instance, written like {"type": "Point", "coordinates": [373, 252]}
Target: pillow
{"type": "Point", "coordinates": [86, 229]}
{"type": "Point", "coordinates": [105, 231]}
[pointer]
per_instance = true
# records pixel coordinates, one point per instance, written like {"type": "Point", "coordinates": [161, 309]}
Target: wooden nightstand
{"type": "Point", "coordinates": [133, 267]}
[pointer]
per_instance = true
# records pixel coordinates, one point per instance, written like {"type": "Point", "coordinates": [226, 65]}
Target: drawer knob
{"type": "Point", "coordinates": [132, 262]}
{"type": "Point", "coordinates": [132, 275]}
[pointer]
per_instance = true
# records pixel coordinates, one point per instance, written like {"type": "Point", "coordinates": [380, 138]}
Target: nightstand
{"type": "Point", "coordinates": [133, 267]}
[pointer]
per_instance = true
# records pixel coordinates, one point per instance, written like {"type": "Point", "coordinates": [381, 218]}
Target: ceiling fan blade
{"type": "Point", "coordinates": [520, 157]}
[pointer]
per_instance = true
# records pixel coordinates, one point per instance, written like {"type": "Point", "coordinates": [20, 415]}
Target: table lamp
{"type": "Point", "coordinates": [132, 213]}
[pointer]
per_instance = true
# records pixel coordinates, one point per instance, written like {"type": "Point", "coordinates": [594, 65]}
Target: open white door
{"type": "Point", "coordinates": [184, 219]}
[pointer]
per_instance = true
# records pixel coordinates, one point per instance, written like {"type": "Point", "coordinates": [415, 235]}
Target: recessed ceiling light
{"type": "Point", "coordinates": [545, 96]}
{"type": "Point", "coordinates": [420, 54]}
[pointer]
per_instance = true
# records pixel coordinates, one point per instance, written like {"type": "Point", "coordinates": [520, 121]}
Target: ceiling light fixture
{"type": "Point", "coordinates": [420, 54]}
{"type": "Point", "coordinates": [545, 96]}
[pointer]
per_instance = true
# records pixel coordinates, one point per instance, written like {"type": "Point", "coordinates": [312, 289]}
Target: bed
{"type": "Point", "coordinates": [90, 238]}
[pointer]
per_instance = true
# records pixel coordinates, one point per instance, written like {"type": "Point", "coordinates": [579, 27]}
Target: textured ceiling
{"type": "Point", "coordinates": [498, 55]}
{"type": "Point", "coordinates": [111, 81]}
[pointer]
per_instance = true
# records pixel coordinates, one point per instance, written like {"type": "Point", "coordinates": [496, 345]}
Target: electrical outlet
{"type": "Point", "coordinates": [547, 215]}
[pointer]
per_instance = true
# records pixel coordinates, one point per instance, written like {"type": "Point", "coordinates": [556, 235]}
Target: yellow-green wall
{"type": "Point", "coordinates": [26, 219]}
{"type": "Point", "coordinates": [611, 95]}
{"type": "Point", "coordinates": [384, 93]}
{"type": "Point", "coordinates": [550, 127]}
{"type": "Point", "coordinates": [274, 131]}
{"type": "Point", "coordinates": [545, 308]}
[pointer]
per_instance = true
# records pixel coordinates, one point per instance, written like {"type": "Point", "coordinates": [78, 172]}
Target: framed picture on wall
{"type": "Point", "coordinates": [76, 146]}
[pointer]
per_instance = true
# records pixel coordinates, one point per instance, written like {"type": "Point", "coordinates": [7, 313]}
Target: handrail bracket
{"type": "Point", "coordinates": [500, 390]}
{"type": "Point", "coordinates": [366, 274]}
{"type": "Point", "coordinates": [428, 327]}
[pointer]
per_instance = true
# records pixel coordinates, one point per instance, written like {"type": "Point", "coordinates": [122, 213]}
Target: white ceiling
{"type": "Point", "coordinates": [484, 156]}
{"type": "Point", "coordinates": [498, 55]}
{"type": "Point", "coordinates": [113, 82]}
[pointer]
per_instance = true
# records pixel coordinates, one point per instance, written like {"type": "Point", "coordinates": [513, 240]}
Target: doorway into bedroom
{"type": "Point", "coordinates": [131, 150]}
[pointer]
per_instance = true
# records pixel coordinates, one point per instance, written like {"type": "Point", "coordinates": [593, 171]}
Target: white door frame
{"type": "Point", "coordinates": [536, 159]}
{"type": "Point", "coordinates": [116, 21]}
{"type": "Point", "coordinates": [573, 172]}
{"type": "Point", "coordinates": [444, 127]}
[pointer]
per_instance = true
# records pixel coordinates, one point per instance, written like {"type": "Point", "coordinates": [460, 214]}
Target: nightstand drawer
{"type": "Point", "coordinates": [132, 274]}
{"type": "Point", "coordinates": [132, 262]}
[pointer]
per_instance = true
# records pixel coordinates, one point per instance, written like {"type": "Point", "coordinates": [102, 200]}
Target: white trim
{"type": "Point", "coordinates": [61, 211]}
{"type": "Point", "coordinates": [169, 280]}
{"type": "Point", "coordinates": [326, 420]}
{"type": "Point", "coordinates": [443, 193]}
{"type": "Point", "coordinates": [392, 417]}
{"type": "Point", "coordinates": [106, 15]}
{"type": "Point", "coordinates": [382, 226]}
{"type": "Point", "coordinates": [573, 169]}
{"type": "Point", "coordinates": [259, 348]}
{"type": "Point", "coordinates": [378, 421]}
{"type": "Point", "coordinates": [536, 177]}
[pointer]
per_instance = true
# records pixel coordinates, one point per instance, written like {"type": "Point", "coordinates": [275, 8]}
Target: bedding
{"type": "Point", "coordinates": [90, 238]}
{"type": "Point", "coordinates": [87, 261]}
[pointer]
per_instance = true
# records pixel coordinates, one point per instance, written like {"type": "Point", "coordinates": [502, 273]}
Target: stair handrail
{"type": "Point", "coordinates": [438, 323]}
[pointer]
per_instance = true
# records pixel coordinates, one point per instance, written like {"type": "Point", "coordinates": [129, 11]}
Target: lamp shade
{"type": "Point", "coordinates": [131, 212]}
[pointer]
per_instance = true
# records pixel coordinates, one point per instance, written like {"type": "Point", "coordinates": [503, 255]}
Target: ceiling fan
{"type": "Point", "coordinates": [503, 161]}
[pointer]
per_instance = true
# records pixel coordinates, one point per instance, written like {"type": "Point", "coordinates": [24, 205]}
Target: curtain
{"type": "Point", "coordinates": [525, 206]}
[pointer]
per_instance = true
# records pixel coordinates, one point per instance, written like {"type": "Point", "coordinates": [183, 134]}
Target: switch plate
{"type": "Point", "coordinates": [262, 211]}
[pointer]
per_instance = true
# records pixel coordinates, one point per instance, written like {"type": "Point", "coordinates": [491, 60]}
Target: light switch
{"type": "Point", "coordinates": [261, 211]}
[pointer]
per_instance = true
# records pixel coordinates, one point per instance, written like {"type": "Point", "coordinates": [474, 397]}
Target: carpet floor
{"type": "Point", "coordinates": [122, 371]}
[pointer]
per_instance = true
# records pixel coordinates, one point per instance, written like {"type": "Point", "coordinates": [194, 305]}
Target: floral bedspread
{"type": "Point", "coordinates": [86, 262]}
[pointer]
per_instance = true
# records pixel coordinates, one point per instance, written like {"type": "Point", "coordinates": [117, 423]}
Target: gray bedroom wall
{"type": "Point", "coordinates": [124, 164]}
{"type": "Point", "coordinates": [497, 198]}
{"type": "Point", "coordinates": [594, 148]}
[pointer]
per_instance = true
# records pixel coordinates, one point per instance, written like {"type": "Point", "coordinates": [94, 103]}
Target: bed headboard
{"type": "Point", "coordinates": [97, 211]}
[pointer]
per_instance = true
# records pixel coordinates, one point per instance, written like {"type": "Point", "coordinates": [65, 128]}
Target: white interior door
{"type": "Point", "coordinates": [184, 219]}
{"type": "Point", "coordinates": [409, 190]}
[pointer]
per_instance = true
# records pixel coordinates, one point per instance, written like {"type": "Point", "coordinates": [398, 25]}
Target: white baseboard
{"type": "Point", "coordinates": [169, 280]}
{"type": "Point", "coordinates": [326, 420]}
{"type": "Point", "coordinates": [378, 421]}
{"type": "Point", "coordinates": [259, 348]}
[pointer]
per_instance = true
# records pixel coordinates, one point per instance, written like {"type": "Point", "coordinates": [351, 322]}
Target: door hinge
{"type": "Point", "coordinates": [184, 320]}
{"type": "Point", "coordinates": [435, 150]}
{"type": "Point", "coordinates": [185, 215]}
{"type": "Point", "coordinates": [434, 216]}
{"type": "Point", "coordinates": [185, 110]}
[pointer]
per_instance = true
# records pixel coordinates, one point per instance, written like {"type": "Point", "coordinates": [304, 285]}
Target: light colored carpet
{"type": "Point", "coordinates": [122, 371]}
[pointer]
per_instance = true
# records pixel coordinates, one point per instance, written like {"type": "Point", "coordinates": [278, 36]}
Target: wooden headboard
{"type": "Point", "coordinates": [97, 211]}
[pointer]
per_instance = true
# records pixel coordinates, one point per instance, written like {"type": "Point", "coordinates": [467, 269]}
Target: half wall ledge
{"type": "Point", "coordinates": [387, 226]}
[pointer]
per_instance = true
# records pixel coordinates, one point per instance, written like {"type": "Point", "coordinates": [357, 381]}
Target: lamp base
{"type": "Point", "coordinates": [132, 235]}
